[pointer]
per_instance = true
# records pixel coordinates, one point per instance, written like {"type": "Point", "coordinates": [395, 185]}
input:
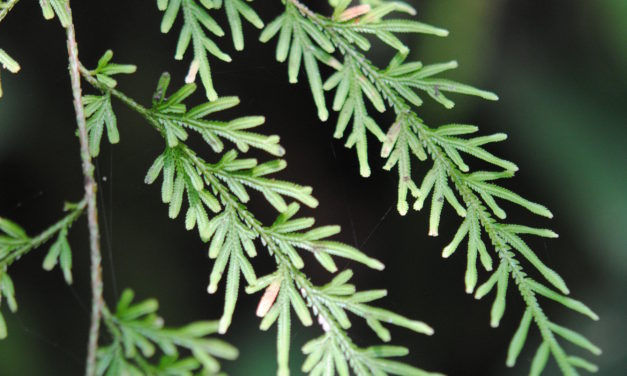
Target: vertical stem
{"type": "Point", "coordinates": [90, 196]}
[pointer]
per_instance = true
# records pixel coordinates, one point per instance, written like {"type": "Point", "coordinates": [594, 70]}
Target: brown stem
{"type": "Point", "coordinates": [90, 196]}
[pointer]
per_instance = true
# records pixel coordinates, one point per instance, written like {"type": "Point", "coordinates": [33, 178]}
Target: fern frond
{"type": "Point", "coordinates": [105, 70]}
{"type": "Point", "coordinates": [196, 21]}
{"type": "Point", "coordinates": [222, 187]}
{"type": "Point", "coordinates": [235, 10]}
{"type": "Point", "coordinates": [15, 243]}
{"type": "Point", "coordinates": [98, 110]}
{"type": "Point", "coordinates": [139, 336]}
{"type": "Point", "coordinates": [349, 101]}
{"type": "Point", "coordinates": [173, 124]}
{"type": "Point", "coordinates": [302, 41]}
{"type": "Point", "coordinates": [325, 356]}
{"type": "Point", "coordinates": [334, 350]}
{"type": "Point", "coordinates": [473, 196]}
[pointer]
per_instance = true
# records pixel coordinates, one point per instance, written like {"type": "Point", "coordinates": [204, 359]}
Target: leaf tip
{"type": "Point", "coordinates": [402, 208]}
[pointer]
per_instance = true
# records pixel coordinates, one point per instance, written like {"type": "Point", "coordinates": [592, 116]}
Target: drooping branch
{"type": "Point", "coordinates": [395, 88]}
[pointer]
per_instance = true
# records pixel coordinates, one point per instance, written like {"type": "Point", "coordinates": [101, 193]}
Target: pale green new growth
{"type": "Point", "coordinates": [216, 195]}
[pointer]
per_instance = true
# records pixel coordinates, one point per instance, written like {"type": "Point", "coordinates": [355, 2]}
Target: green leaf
{"type": "Point", "coordinates": [283, 336]}
{"type": "Point", "coordinates": [196, 21]}
{"type": "Point", "coordinates": [575, 338]}
{"type": "Point", "coordinates": [7, 290]}
{"type": "Point", "coordinates": [551, 276]}
{"type": "Point", "coordinates": [539, 360]}
{"type": "Point", "coordinates": [498, 307]}
{"type": "Point", "coordinates": [12, 229]}
{"type": "Point", "coordinates": [573, 304]}
{"type": "Point", "coordinates": [519, 338]}
{"type": "Point", "coordinates": [582, 363]}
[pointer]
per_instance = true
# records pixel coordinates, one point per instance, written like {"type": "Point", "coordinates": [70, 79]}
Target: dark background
{"type": "Point", "coordinates": [559, 67]}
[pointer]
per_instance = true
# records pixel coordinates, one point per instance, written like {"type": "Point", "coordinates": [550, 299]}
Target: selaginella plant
{"type": "Point", "coordinates": [213, 187]}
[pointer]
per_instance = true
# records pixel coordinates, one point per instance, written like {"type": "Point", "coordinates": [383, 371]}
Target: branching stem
{"type": "Point", "coordinates": [344, 341]}
{"type": "Point", "coordinates": [46, 235]}
{"type": "Point", "coordinates": [283, 261]}
{"type": "Point", "coordinates": [90, 197]}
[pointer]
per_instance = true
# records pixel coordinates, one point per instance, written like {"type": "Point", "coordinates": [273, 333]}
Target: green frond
{"type": "Point", "coordinates": [215, 196]}
{"type": "Point", "coordinates": [519, 338]}
{"type": "Point", "coordinates": [223, 188]}
{"type": "Point", "coordinates": [182, 179]}
{"type": "Point", "coordinates": [106, 69]}
{"type": "Point", "coordinates": [330, 305]}
{"type": "Point", "coordinates": [7, 291]}
{"type": "Point", "coordinates": [473, 195]}
{"type": "Point", "coordinates": [143, 345]}
{"type": "Point", "coordinates": [287, 234]}
{"type": "Point", "coordinates": [235, 9]}
{"type": "Point", "coordinates": [171, 116]}
{"type": "Point", "coordinates": [549, 331]}
{"type": "Point", "coordinates": [15, 243]}
{"type": "Point", "coordinates": [99, 114]}
{"type": "Point", "coordinates": [325, 356]}
{"type": "Point", "coordinates": [453, 145]}
{"type": "Point", "coordinates": [61, 253]}
{"type": "Point", "coordinates": [98, 110]}
{"type": "Point", "coordinates": [300, 40]}
{"type": "Point", "coordinates": [349, 99]}
{"type": "Point", "coordinates": [196, 23]}
{"type": "Point", "coordinates": [518, 244]}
